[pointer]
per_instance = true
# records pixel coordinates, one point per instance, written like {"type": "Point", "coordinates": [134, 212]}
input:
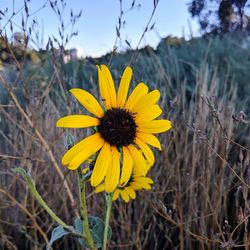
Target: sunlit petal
{"type": "Point", "coordinates": [127, 165]}
{"type": "Point", "coordinates": [108, 84]}
{"type": "Point", "coordinates": [124, 196]}
{"type": "Point", "coordinates": [103, 89]}
{"type": "Point", "coordinates": [88, 101]}
{"type": "Point", "coordinates": [123, 87]}
{"type": "Point", "coordinates": [116, 194]}
{"type": "Point", "coordinates": [82, 156]}
{"type": "Point", "coordinates": [101, 165]}
{"type": "Point", "coordinates": [100, 188]}
{"type": "Point", "coordinates": [146, 102]}
{"type": "Point", "coordinates": [77, 121]}
{"type": "Point", "coordinates": [140, 90]}
{"type": "Point", "coordinates": [146, 151]}
{"type": "Point", "coordinates": [149, 114]}
{"type": "Point", "coordinates": [113, 172]}
{"type": "Point", "coordinates": [130, 191]}
{"type": "Point", "coordinates": [81, 146]}
{"type": "Point", "coordinates": [155, 126]}
{"type": "Point", "coordinates": [149, 139]}
{"type": "Point", "coordinates": [141, 165]}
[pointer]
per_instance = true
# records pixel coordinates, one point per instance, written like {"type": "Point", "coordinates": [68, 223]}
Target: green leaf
{"type": "Point", "coordinates": [79, 228]}
{"type": "Point", "coordinates": [57, 233]}
{"type": "Point", "coordinates": [96, 226]}
{"type": "Point", "coordinates": [78, 225]}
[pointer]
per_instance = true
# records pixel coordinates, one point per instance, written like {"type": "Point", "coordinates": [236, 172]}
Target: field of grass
{"type": "Point", "coordinates": [200, 197]}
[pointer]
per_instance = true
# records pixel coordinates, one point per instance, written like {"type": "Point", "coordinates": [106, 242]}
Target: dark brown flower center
{"type": "Point", "coordinates": [118, 127]}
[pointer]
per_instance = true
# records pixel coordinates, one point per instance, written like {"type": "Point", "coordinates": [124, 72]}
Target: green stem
{"type": "Point", "coordinates": [41, 201]}
{"type": "Point", "coordinates": [108, 212]}
{"type": "Point", "coordinates": [48, 209]}
{"type": "Point", "coordinates": [33, 190]}
{"type": "Point", "coordinates": [86, 232]}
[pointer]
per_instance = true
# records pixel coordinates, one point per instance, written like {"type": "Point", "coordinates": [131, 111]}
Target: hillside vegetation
{"type": "Point", "coordinates": [200, 197]}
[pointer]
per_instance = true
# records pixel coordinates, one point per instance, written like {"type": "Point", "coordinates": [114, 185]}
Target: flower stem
{"type": "Point", "coordinates": [47, 208]}
{"type": "Point", "coordinates": [86, 232]}
{"type": "Point", "coordinates": [39, 198]}
{"type": "Point", "coordinates": [108, 212]}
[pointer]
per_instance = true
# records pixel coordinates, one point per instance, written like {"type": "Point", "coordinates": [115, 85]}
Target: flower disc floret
{"type": "Point", "coordinates": [118, 127]}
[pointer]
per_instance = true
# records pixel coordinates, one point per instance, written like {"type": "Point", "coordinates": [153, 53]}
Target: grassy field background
{"type": "Point", "coordinates": [200, 197]}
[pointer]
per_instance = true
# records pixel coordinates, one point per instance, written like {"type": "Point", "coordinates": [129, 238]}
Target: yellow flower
{"type": "Point", "coordinates": [127, 192]}
{"type": "Point", "coordinates": [124, 129]}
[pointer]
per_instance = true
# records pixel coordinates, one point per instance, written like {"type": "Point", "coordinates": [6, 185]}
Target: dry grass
{"type": "Point", "coordinates": [200, 197]}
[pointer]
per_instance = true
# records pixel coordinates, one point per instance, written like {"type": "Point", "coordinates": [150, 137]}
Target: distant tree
{"type": "Point", "coordinates": [221, 15]}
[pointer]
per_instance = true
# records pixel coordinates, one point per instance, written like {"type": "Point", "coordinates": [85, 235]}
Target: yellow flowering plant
{"type": "Point", "coordinates": [124, 128]}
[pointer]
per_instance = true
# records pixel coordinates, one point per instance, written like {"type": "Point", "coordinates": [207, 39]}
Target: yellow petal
{"type": "Point", "coordinates": [149, 139]}
{"type": "Point", "coordinates": [88, 150]}
{"type": "Point", "coordinates": [143, 180]}
{"type": "Point", "coordinates": [127, 165]}
{"type": "Point", "coordinates": [124, 196]}
{"type": "Point", "coordinates": [155, 126]}
{"type": "Point", "coordinates": [115, 194]}
{"type": "Point", "coordinates": [80, 147]}
{"type": "Point", "coordinates": [131, 192]}
{"type": "Point", "coordinates": [146, 102]}
{"type": "Point", "coordinates": [149, 114]}
{"type": "Point", "coordinates": [88, 101]}
{"type": "Point", "coordinates": [108, 83]}
{"type": "Point", "coordinates": [136, 186]}
{"type": "Point", "coordinates": [77, 121]}
{"type": "Point", "coordinates": [140, 90]}
{"type": "Point", "coordinates": [146, 151]}
{"type": "Point", "coordinates": [147, 179]}
{"type": "Point", "coordinates": [101, 165]}
{"type": "Point", "coordinates": [124, 86]}
{"type": "Point", "coordinates": [100, 188]}
{"type": "Point", "coordinates": [113, 172]}
{"type": "Point", "coordinates": [104, 91]}
{"type": "Point", "coordinates": [146, 186]}
{"type": "Point", "coordinates": [141, 167]}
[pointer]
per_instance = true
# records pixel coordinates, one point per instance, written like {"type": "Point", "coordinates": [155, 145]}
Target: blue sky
{"type": "Point", "coordinates": [99, 18]}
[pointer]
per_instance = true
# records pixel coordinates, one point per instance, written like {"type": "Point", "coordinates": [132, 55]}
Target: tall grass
{"type": "Point", "coordinates": [200, 196]}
